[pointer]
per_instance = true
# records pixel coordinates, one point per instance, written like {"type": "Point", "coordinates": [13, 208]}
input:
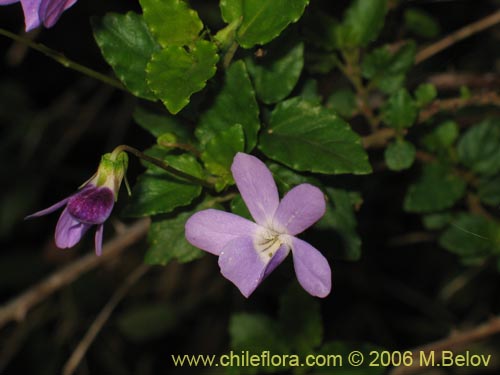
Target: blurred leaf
{"type": "Point", "coordinates": [261, 21]}
{"type": "Point", "coordinates": [400, 155]}
{"type": "Point", "coordinates": [438, 188]}
{"type": "Point", "coordinates": [158, 124]}
{"type": "Point", "coordinates": [238, 207]}
{"type": "Point", "coordinates": [276, 74]}
{"type": "Point", "coordinates": [362, 23]}
{"type": "Point", "coordinates": [320, 29]}
{"type": "Point", "coordinates": [171, 21]}
{"type": "Point", "coordinates": [437, 220]}
{"type": "Point", "coordinates": [220, 151]}
{"type": "Point", "coordinates": [425, 93]}
{"type": "Point", "coordinates": [400, 110]}
{"type": "Point", "coordinates": [489, 191]}
{"type": "Point", "coordinates": [235, 104]}
{"type": "Point", "coordinates": [127, 46]}
{"type": "Point", "coordinates": [307, 137]}
{"type": "Point", "coordinates": [157, 191]}
{"type": "Point", "coordinates": [442, 137]}
{"type": "Point", "coordinates": [310, 93]}
{"type": "Point", "coordinates": [147, 321]}
{"type": "Point", "coordinates": [343, 102]}
{"type": "Point", "coordinates": [421, 23]}
{"type": "Point", "coordinates": [479, 147]}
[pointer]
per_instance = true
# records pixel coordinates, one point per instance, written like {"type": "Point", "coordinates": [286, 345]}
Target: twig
{"type": "Point", "coordinates": [378, 139]}
{"type": "Point", "coordinates": [455, 80]}
{"type": "Point", "coordinates": [454, 341]}
{"type": "Point", "coordinates": [18, 307]}
{"type": "Point", "coordinates": [82, 347]}
{"type": "Point", "coordinates": [457, 36]}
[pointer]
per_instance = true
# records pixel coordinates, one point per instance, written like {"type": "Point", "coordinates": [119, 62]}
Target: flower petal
{"type": "Point", "coordinates": [69, 230]}
{"type": "Point", "coordinates": [240, 263]}
{"type": "Point", "coordinates": [31, 15]}
{"type": "Point", "coordinates": [300, 208]}
{"type": "Point", "coordinates": [211, 230]}
{"type": "Point", "coordinates": [257, 187]}
{"type": "Point", "coordinates": [7, 2]}
{"type": "Point", "coordinates": [92, 205]}
{"type": "Point", "coordinates": [312, 268]}
{"type": "Point", "coordinates": [278, 257]}
{"type": "Point", "coordinates": [48, 210]}
{"type": "Point", "coordinates": [51, 10]}
{"type": "Point", "coordinates": [98, 239]}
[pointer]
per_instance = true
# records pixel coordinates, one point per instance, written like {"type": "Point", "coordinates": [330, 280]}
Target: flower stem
{"type": "Point", "coordinates": [163, 165]}
{"type": "Point", "coordinates": [63, 60]}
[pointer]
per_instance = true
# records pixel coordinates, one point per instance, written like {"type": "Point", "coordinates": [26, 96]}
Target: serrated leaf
{"type": "Point", "coordinates": [438, 188]}
{"type": "Point", "coordinates": [471, 237]}
{"type": "Point", "coordinates": [400, 110]}
{"type": "Point", "coordinates": [442, 137]}
{"type": "Point", "coordinates": [159, 123]}
{"type": "Point", "coordinates": [147, 321]}
{"type": "Point", "coordinates": [421, 23]}
{"type": "Point", "coordinates": [425, 93]}
{"type": "Point", "coordinates": [308, 137]}
{"type": "Point", "coordinates": [220, 151]}
{"type": "Point", "coordinates": [400, 155]}
{"type": "Point", "coordinates": [276, 74]}
{"type": "Point", "coordinates": [343, 102]}
{"type": "Point", "coordinates": [489, 191]}
{"type": "Point", "coordinates": [157, 191]}
{"type": "Point", "coordinates": [172, 22]}
{"type": "Point", "coordinates": [127, 45]}
{"type": "Point", "coordinates": [362, 23]}
{"type": "Point", "coordinates": [175, 73]}
{"type": "Point", "coordinates": [479, 147]}
{"type": "Point", "coordinates": [235, 104]}
{"type": "Point", "coordinates": [261, 21]}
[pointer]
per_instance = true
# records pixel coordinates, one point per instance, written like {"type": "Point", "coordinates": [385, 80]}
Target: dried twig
{"type": "Point", "coordinates": [457, 36]}
{"type": "Point", "coordinates": [17, 308]}
{"type": "Point", "coordinates": [455, 80]}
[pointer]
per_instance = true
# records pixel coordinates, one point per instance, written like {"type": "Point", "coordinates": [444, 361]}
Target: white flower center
{"type": "Point", "coordinates": [267, 242]}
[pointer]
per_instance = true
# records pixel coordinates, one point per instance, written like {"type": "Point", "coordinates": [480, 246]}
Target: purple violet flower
{"type": "Point", "coordinates": [91, 205]}
{"type": "Point", "coordinates": [37, 12]}
{"type": "Point", "coordinates": [249, 251]}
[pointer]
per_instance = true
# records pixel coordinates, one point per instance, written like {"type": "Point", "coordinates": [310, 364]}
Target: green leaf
{"type": "Point", "coordinates": [156, 191]}
{"type": "Point", "coordinates": [320, 29]}
{"type": "Point", "coordinates": [400, 155]}
{"type": "Point", "coordinates": [171, 21]}
{"type": "Point", "coordinates": [238, 207]}
{"type": "Point", "coordinates": [442, 137]}
{"type": "Point", "coordinates": [175, 73]}
{"type": "Point", "coordinates": [387, 70]}
{"type": "Point", "coordinates": [160, 123]}
{"type": "Point", "coordinates": [307, 137]}
{"type": "Point", "coordinates": [300, 320]}
{"type": "Point", "coordinates": [261, 21]}
{"type": "Point", "coordinates": [436, 221]}
{"type": "Point", "coordinates": [362, 23]}
{"type": "Point", "coordinates": [479, 147]}
{"type": "Point", "coordinates": [235, 104]}
{"type": "Point", "coordinates": [310, 93]}
{"type": "Point", "coordinates": [489, 191]}
{"type": "Point", "coordinates": [127, 46]}
{"type": "Point", "coordinates": [286, 179]}
{"type": "Point", "coordinates": [471, 237]}
{"type": "Point", "coordinates": [421, 23]}
{"type": "Point", "coordinates": [147, 321]}
{"type": "Point", "coordinates": [343, 102]}
{"type": "Point", "coordinates": [276, 74]}
{"type": "Point", "coordinates": [437, 189]}
{"type": "Point", "coordinates": [220, 151]}
{"type": "Point", "coordinates": [400, 110]}
{"type": "Point", "coordinates": [425, 93]}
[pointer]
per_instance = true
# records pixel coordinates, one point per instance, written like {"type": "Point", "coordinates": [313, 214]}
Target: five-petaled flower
{"type": "Point", "coordinates": [37, 12]}
{"type": "Point", "coordinates": [91, 205]}
{"type": "Point", "coordinates": [249, 251]}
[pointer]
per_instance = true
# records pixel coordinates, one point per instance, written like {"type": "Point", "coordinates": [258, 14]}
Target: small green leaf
{"type": "Point", "coordinates": [400, 155]}
{"type": "Point", "coordinates": [343, 102]}
{"type": "Point", "coordinates": [261, 21]}
{"type": "Point", "coordinates": [442, 137]}
{"type": "Point", "coordinates": [479, 147]}
{"type": "Point", "coordinates": [471, 237]}
{"type": "Point", "coordinates": [156, 191]}
{"type": "Point", "coordinates": [171, 21]}
{"type": "Point", "coordinates": [127, 46]}
{"type": "Point", "coordinates": [489, 191]}
{"type": "Point", "coordinates": [400, 110]}
{"type": "Point", "coordinates": [421, 23]}
{"type": "Point", "coordinates": [437, 220]}
{"type": "Point", "coordinates": [175, 73]}
{"type": "Point", "coordinates": [235, 104]}
{"type": "Point", "coordinates": [276, 74]}
{"type": "Point", "coordinates": [160, 123]}
{"type": "Point", "coordinates": [219, 153]}
{"type": "Point", "coordinates": [238, 207]}
{"type": "Point", "coordinates": [320, 29]}
{"type": "Point", "coordinates": [147, 321]}
{"type": "Point", "coordinates": [437, 189]}
{"type": "Point", "coordinates": [362, 23]}
{"type": "Point", "coordinates": [425, 93]}
{"type": "Point", "coordinates": [307, 137]}
{"type": "Point", "coordinates": [310, 92]}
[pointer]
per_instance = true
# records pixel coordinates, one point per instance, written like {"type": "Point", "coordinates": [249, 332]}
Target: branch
{"type": "Point", "coordinates": [457, 36]}
{"type": "Point", "coordinates": [455, 80]}
{"type": "Point", "coordinates": [454, 341]}
{"type": "Point", "coordinates": [18, 307]}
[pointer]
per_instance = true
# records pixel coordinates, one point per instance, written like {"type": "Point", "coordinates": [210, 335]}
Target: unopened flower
{"type": "Point", "coordinates": [37, 12]}
{"type": "Point", "coordinates": [91, 205]}
{"type": "Point", "coordinates": [249, 251]}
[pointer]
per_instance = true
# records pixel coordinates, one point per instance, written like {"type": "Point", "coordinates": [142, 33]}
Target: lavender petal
{"type": "Point", "coordinates": [51, 10]}
{"type": "Point", "coordinates": [240, 263]}
{"type": "Point", "coordinates": [49, 210]}
{"type": "Point", "coordinates": [69, 230]}
{"type": "Point", "coordinates": [211, 230]}
{"type": "Point", "coordinates": [92, 205]}
{"type": "Point", "coordinates": [312, 268]}
{"type": "Point", "coordinates": [300, 208]}
{"type": "Point", "coordinates": [98, 239]}
{"type": "Point", "coordinates": [278, 257]}
{"type": "Point", "coordinates": [257, 187]}
{"type": "Point", "coordinates": [7, 2]}
{"type": "Point", "coordinates": [31, 15]}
